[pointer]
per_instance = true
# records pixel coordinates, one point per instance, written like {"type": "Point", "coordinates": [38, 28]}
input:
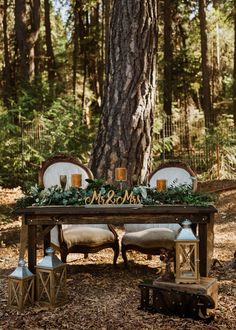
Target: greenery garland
{"type": "Point", "coordinates": [55, 195]}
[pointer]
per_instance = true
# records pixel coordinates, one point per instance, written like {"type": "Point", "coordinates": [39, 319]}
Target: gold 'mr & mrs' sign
{"type": "Point", "coordinates": [111, 198]}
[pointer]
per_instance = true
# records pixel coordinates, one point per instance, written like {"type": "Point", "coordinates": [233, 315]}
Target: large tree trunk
{"type": "Point", "coordinates": [206, 95]}
{"type": "Point", "coordinates": [125, 131]}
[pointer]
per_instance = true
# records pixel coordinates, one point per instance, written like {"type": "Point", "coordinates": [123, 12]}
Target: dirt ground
{"type": "Point", "coordinates": [102, 297]}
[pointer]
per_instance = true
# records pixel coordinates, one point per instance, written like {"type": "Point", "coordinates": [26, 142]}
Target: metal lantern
{"type": "Point", "coordinates": [187, 255]}
{"type": "Point", "coordinates": [21, 287]}
{"type": "Point", "coordinates": [51, 280]}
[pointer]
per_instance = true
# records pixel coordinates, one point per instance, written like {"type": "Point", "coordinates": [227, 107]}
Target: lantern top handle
{"type": "Point", "coordinates": [186, 223]}
{"type": "Point", "coordinates": [50, 261]}
{"type": "Point", "coordinates": [21, 270]}
{"type": "Point", "coordinates": [186, 233]}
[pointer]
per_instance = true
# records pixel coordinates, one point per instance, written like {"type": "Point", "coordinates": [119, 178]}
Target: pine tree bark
{"type": "Point", "coordinates": [21, 37]}
{"type": "Point", "coordinates": [51, 66]}
{"type": "Point", "coordinates": [94, 52]}
{"type": "Point", "coordinates": [125, 131]}
{"type": "Point", "coordinates": [32, 39]}
{"type": "Point", "coordinates": [168, 57]}
{"type": "Point", "coordinates": [76, 46]}
{"type": "Point", "coordinates": [26, 38]}
{"type": "Point", "coordinates": [216, 79]}
{"type": "Point", "coordinates": [206, 94]}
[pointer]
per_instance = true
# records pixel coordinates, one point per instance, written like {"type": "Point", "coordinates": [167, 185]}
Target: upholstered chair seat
{"type": "Point", "coordinates": [152, 238]}
{"type": "Point", "coordinates": [91, 236]}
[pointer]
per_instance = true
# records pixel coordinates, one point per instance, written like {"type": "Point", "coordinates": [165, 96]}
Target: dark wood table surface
{"type": "Point", "coordinates": [49, 216]}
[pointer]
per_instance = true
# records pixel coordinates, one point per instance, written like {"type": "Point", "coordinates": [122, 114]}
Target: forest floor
{"type": "Point", "coordinates": [107, 298]}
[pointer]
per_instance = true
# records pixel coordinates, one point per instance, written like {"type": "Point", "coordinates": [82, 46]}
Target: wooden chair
{"type": "Point", "coordinates": [155, 239]}
{"type": "Point", "coordinates": [76, 238]}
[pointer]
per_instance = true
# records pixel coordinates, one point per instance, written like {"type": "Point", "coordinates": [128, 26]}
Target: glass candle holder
{"type": "Point", "coordinates": [160, 184]}
{"type": "Point", "coordinates": [120, 174]}
{"type": "Point", "coordinates": [63, 181]}
{"type": "Point", "coordinates": [76, 180]}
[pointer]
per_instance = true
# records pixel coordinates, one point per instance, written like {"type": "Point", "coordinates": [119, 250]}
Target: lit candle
{"type": "Point", "coordinates": [120, 174]}
{"type": "Point", "coordinates": [160, 184]}
{"type": "Point", "coordinates": [76, 180]}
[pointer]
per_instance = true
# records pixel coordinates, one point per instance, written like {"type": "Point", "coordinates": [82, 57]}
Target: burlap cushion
{"type": "Point", "coordinates": [142, 226]}
{"type": "Point", "coordinates": [151, 238]}
{"type": "Point", "coordinates": [89, 236]}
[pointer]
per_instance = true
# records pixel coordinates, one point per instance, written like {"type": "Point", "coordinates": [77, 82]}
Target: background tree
{"type": "Point", "coordinates": [234, 70]}
{"type": "Point", "coordinates": [7, 67]}
{"type": "Point", "coordinates": [33, 39]}
{"type": "Point", "coordinates": [206, 93]}
{"type": "Point", "coordinates": [50, 63]}
{"type": "Point", "coordinates": [76, 48]}
{"type": "Point", "coordinates": [125, 131]}
{"type": "Point", "coordinates": [21, 39]}
{"type": "Point", "coordinates": [27, 36]}
{"type": "Point", "coordinates": [168, 57]}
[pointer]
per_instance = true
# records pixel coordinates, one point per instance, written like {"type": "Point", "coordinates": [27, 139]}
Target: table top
{"type": "Point", "coordinates": [58, 214]}
{"type": "Point", "coordinates": [111, 209]}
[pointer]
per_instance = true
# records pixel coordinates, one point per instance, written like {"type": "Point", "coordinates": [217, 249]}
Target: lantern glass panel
{"type": "Point", "coordinates": [187, 259]}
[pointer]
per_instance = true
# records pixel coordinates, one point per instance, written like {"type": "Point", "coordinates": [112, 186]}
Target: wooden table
{"type": "Point", "coordinates": [49, 216]}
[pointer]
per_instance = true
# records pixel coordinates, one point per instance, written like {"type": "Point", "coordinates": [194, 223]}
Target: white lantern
{"type": "Point", "coordinates": [20, 287]}
{"type": "Point", "coordinates": [187, 255]}
{"type": "Point", "coordinates": [51, 280]}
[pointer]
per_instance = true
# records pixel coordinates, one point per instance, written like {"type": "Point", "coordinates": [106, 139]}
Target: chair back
{"type": "Point", "coordinates": [52, 168]}
{"type": "Point", "coordinates": [175, 173]}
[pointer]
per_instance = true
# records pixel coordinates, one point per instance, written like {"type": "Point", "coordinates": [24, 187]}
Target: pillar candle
{"type": "Point", "coordinates": [160, 184]}
{"type": "Point", "coordinates": [120, 174]}
{"type": "Point", "coordinates": [76, 180]}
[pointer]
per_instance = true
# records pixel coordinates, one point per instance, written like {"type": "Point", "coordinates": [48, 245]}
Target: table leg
{"type": "Point", "coordinates": [203, 250]}
{"type": "Point", "coordinates": [46, 238]}
{"type": "Point", "coordinates": [210, 241]}
{"type": "Point", "coordinates": [23, 239]}
{"type": "Point", "coordinates": [32, 256]}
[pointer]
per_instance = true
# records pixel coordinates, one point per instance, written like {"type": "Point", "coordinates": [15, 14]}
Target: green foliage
{"type": "Point", "coordinates": [32, 134]}
{"type": "Point", "coordinates": [65, 131]}
{"type": "Point", "coordinates": [161, 144]}
{"type": "Point", "coordinates": [55, 195]}
{"type": "Point", "coordinates": [100, 186]}
{"type": "Point", "coordinates": [222, 139]}
{"type": "Point", "coordinates": [181, 194]}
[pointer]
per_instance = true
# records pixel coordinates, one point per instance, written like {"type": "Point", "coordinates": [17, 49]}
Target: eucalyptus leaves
{"type": "Point", "coordinates": [55, 195]}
